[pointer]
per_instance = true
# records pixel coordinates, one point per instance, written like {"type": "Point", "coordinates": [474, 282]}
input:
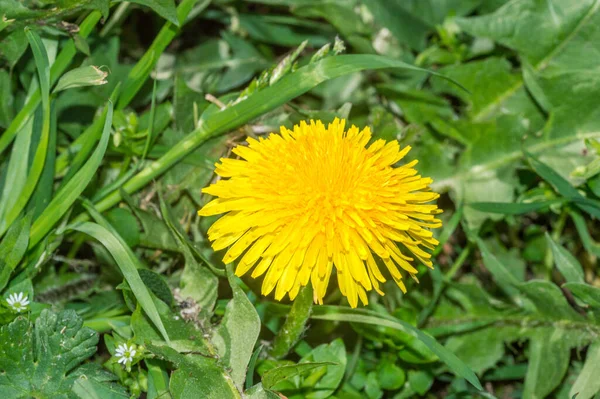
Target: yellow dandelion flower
{"type": "Point", "coordinates": [301, 203]}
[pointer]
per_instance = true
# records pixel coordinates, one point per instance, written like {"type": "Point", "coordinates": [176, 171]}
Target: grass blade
{"type": "Point", "coordinates": [12, 248]}
{"type": "Point", "coordinates": [39, 160]}
{"type": "Point", "coordinates": [67, 195]}
{"type": "Point", "coordinates": [563, 187]}
{"type": "Point", "coordinates": [61, 63]}
{"type": "Point", "coordinates": [509, 208]}
{"type": "Point", "coordinates": [141, 70]}
{"type": "Point", "coordinates": [127, 263]}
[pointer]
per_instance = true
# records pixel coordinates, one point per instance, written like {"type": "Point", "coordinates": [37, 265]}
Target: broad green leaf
{"type": "Point", "coordinates": [554, 37]}
{"type": "Point", "coordinates": [532, 28]}
{"type": "Point", "coordinates": [68, 194]}
{"type": "Point", "coordinates": [364, 316]}
{"type": "Point", "coordinates": [158, 380]}
{"type": "Point", "coordinates": [566, 263]}
{"type": "Point", "coordinates": [13, 247]}
{"type": "Point", "coordinates": [127, 263]}
{"type": "Point", "coordinates": [196, 376]}
{"type": "Point", "coordinates": [548, 362]}
{"type": "Point", "coordinates": [93, 382]}
{"type": "Point", "coordinates": [326, 384]}
{"type": "Point", "coordinates": [83, 76]}
{"type": "Point", "coordinates": [41, 360]}
{"type": "Point", "coordinates": [278, 374]}
{"type": "Point", "coordinates": [390, 376]}
{"type": "Point", "coordinates": [406, 27]}
{"type": "Point", "coordinates": [237, 334]}
{"type": "Point", "coordinates": [480, 350]}
{"type": "Point", "coordinates": [587, 383]}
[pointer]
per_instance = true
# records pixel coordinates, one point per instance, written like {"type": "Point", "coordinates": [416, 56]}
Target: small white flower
{"type": "Point", "coordinates": [18, 302]}
{"type": "Point", "coordinates": [125, 353]}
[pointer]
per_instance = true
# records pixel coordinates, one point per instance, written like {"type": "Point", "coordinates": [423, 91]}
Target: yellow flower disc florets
{"type": "Point", "coordinates": [302, 202]}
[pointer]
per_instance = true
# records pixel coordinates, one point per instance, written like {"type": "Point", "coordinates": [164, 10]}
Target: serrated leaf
{"type": "Point", "coordinates": [38, 361]}
{"type": "Point", "coordinates": [93, 382]}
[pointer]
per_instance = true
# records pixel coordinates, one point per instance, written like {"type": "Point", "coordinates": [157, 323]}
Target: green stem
{"type": "Point", "coordinates": [295, 324]}
{"type": "Point", "coordinates": [458, 263]}
{"type": "Point", "coordinates": [63, 60]}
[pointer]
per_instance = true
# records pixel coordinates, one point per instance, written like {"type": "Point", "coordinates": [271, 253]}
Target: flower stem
{"type": "Point", "coordinates": [294, 325]}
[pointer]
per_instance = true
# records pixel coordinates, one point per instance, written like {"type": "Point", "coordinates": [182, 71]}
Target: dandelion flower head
{"type": "Point", "coordinates": [304, 202]}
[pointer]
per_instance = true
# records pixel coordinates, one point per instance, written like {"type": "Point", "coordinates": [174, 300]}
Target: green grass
{"type": "Point", "coordinates": [112, 115]}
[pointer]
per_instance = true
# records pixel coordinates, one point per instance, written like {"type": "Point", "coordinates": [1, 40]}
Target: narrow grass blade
{"type": "Point", "coordinates": [12, 248]}
{"type": "Point", "coordinates": [127, 264]}
{"type": "Point", "coordinates": [39, 160]}
{"type": "Point", "coordinates": [69, 193]}
{"type": "Point", "coordinates": [563, 187]}
{"type": "Point", "coordinates": [149, 137]}
{"type": "Point", "coordinates": [509, 208]}
{"type": "Point", "coordinates": [63, 60]}
{"type": "Point", "coordinates": [16, 171]}
{"type": "Point", "coordinates": [335, 313]}
{"type": "Point", "coordinates": [45, 187]}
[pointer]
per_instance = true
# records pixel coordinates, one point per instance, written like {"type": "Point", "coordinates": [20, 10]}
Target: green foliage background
{"type": "Point", "coordinates": [113, 113]}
